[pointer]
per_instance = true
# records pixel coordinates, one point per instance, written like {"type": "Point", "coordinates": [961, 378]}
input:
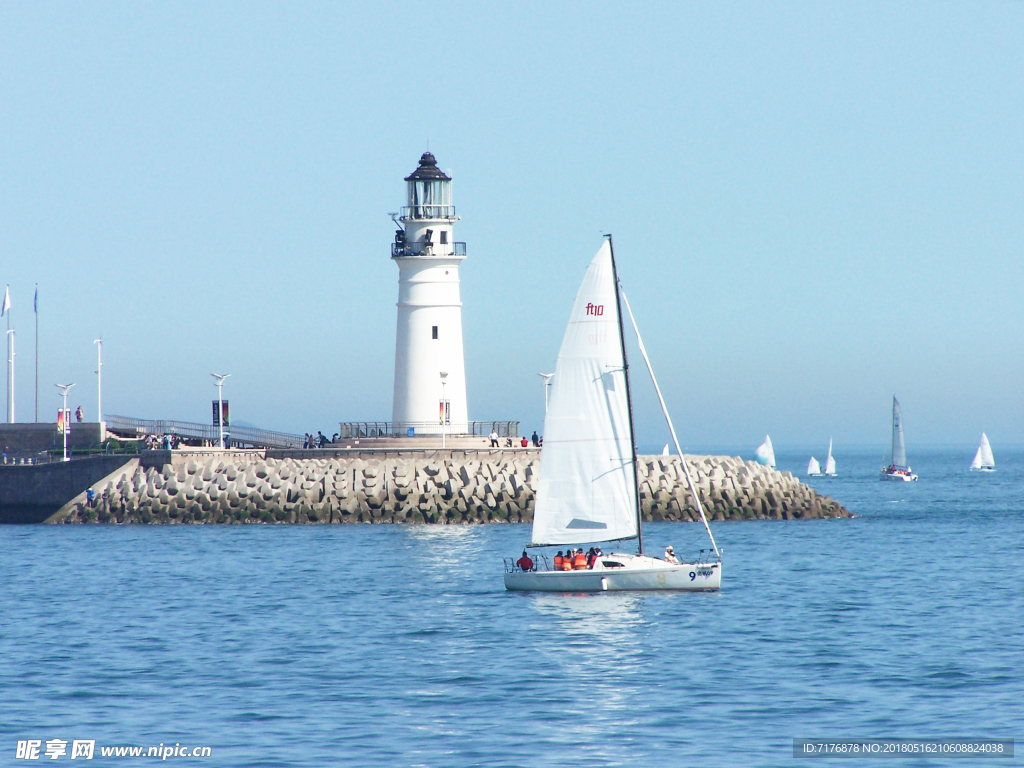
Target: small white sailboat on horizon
{"type": "Point", "coordinates": [830, 463]}
{"type": "Point", "coordinates": [814, 468]}
{"type": "Point", "coordinates": [898, 468]}
{"type": "Point", "coordinates": [765, 453]}
{"type": "Point", "coordinates": [984, 461]}
{"type": "Point", "coordinates": [588, 488]}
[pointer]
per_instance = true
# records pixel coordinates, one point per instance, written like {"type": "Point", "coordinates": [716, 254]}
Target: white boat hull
{"type": "Point", "coordinates": [634, 572]}
{"type": "Point", "coordinates": [907, 478]}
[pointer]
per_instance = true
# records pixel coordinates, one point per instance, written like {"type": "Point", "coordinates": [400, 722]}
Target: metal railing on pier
{"type": "Point", "coordinates": [239, 436]}
{"type": "Point", "coordinates": [357, 429]}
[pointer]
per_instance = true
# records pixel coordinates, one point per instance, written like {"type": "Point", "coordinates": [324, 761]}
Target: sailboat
{"type": "Point", "coordinates": [765, 454]}
{"type": "Point", "coordinates": [587, 489]}
{"type": "Point", "coordinates": [984, 461]}
{"type": "Point", "coordinates": [898, 468]}
{"type": "Point", "coordinates": [813, 468]}
{"type": "Point", "coordinates": [830, 463]}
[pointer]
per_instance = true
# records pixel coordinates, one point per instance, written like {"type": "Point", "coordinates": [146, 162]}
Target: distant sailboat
{"type": "Point", "coordinates": [984, 461]}
{"type": "Point", "coordinates": [898, 468]}
{"type": "Point", "coordinates": [765, 454]}
{"type": "Point", "coordinates": [813, 468]}
{"type": "Point", "coordinates": [830, 463]}
{"type": "Point", "coordinates": [664, 451]}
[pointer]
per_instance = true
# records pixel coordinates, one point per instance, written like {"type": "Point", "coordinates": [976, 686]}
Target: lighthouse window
{"type": "Point", "coordinates": [444, 236]}
{"type": "Point", "coordinates": [433, 332]}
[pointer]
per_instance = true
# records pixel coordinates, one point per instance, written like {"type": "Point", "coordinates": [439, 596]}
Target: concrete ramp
{"type": "Point", "coordinates": [33, 493]}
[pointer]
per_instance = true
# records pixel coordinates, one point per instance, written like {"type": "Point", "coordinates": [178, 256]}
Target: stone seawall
{"type": "Point", "coordinates": [442, 487]}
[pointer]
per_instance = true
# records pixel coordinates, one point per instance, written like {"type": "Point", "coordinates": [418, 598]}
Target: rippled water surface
{"type": "Point", "coordinates": [381, 645]}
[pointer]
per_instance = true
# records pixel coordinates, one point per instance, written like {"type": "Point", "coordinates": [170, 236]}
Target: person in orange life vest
{"type": "Point", "coordinates": [591, 557]}
{"type": "Point", "coordinates": [567, 560]}
{"type": "Point", "coordinates": [525, 562]}
{"type": "Point", "coordinates": [579, 561]}
{"type": "Point", "coordinates": [558, 561]}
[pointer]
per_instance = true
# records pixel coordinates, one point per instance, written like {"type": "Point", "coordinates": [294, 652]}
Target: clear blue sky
{"type": "Point", "coordinates": [815, 205]}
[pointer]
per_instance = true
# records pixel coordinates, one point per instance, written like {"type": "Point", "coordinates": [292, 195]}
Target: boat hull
{"type": "Point", "coordinates": [907, 478]}
{"type": "Point", "coordinates": [634, 574]}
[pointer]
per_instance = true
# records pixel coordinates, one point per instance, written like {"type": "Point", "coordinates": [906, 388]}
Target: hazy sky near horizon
{"type": "Point", "coordinates": [815, 206]}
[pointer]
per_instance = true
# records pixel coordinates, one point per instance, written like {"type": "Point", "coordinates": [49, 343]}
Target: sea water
{"type": "Point", "coordinates": [398, 646]}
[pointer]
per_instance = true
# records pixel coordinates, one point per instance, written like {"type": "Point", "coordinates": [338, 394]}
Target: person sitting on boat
{"type": "Point", "coordinates": [525, 562]}
{"type": "Point", "coordinates": [591, 557]}
{"type": "Point", "coordinates": [558, 561]}
{"type": "Point", "coordinates": [579, 561]}
{"type": "Point", "coordinates": [567, 560]}
{"type": "Point", "coordinates": [670, 555]}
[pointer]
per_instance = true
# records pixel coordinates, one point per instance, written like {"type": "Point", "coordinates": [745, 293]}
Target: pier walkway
{"type": "Point", "coordinates": [240, 436]}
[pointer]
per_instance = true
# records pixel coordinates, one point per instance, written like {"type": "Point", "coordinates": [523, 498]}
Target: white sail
{"type": "Point", "coordinates": [984, 459]}
{"type": "Point", "coordinates": [664, 451]}
{"type": "Point", "coordinates": [830, 463]}
{"type": "Point", "coordinates": [813, 467]}
{"type": "Point", "coordinates": [587, 483]}
{"type": "Point", "coordinates": [899, 448]}
{"type": "Point", "coordinates": [976, 464]}
{"type": "Point", "coordinates": [765, 454]}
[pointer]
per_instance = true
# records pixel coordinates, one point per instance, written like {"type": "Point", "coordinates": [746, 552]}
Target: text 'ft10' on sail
{"type": "Point", "coordinates": [587, 489]}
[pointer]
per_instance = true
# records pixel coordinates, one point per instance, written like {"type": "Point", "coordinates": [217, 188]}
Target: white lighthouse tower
{"type": "Point", "coordinates": [430, 372]}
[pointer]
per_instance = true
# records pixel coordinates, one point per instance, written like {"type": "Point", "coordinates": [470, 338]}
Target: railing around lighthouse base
{"type": "Point", "coordinates": [357, 429]}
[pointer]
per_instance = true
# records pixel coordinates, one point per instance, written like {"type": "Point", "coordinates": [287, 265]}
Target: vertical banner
{"type": "Point", "coordinates": [217, 416]}
{"type": "Point", "coordinates": [60, 421]}
{"type": "Point", "coordinates": [444, 412]}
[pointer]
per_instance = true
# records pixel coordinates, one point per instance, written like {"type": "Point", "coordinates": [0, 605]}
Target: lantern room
{"type": "Point", "coordinates": [429, 192]}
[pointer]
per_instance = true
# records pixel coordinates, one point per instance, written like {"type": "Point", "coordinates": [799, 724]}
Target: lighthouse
{"type": "Point", "coordinates": [430, 371]}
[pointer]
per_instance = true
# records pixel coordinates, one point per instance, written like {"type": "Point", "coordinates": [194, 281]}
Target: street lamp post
{"type": "Point", "coordinates": [99, 379]}
{"type": "Point", "coordinates": [64, 413]}
{"type": "Point", "coordinates": [444, 408]}
{"type": "Point", "coordinates": [220, 402]}
{"type": "Point", "coordinates": [547, 383]}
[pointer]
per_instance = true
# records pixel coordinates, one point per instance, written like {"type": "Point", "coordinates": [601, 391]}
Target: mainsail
{"type": "Point", "coordinates": [984, 459]}
{"type": "Point", "coordinates": [765, 454]}
{"type": "Point", "coordinates": [899, 448]}
{"type": "Point", "coordinates": [587, 485]}
{"type": "Point", "coordinates": [830, 463]}
{"type": "Point", "coordinates": [813, 467]}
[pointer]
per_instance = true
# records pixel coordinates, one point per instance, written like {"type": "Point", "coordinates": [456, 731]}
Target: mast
{"type": "Point", "coordinates": [629, 401]}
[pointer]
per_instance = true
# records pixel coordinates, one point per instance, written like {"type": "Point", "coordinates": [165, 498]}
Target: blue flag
{"type": "Point", "coordinates": [35, 301]}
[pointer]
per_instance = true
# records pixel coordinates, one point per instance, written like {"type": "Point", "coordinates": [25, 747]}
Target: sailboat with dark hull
{"type": "Point", "coordinates": [587, 487]}
{"type": "Point", "coordinates": [898, 468]}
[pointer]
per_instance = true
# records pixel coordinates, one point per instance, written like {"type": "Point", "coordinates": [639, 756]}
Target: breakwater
{"type": "Point", "coordinates": [433, 487]}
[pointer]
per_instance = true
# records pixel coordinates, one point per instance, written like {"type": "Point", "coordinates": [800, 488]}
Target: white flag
{"type": "Point", "coordinates": [7, 301]}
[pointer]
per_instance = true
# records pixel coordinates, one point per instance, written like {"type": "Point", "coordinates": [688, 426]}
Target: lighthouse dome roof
{"type": "Point", "coordinates": [428, 170]}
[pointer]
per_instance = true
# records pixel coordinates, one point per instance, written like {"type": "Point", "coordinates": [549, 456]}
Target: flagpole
{"type": "Point", "coordinates": [10, 343]}
{"type": "Point", "coordinates": [35, 307]}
